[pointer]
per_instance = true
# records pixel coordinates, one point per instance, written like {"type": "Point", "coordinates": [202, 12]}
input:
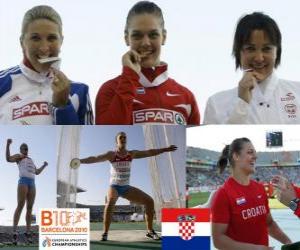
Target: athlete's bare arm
{"type": "Point", "coordinates": [276, 232]}
{"type": "Point", "coordinates": [11, 158]}
{"type": "Point", "coordinates": [222, 241]}
{"type": "Point", "coordinates": [100, 158]}
{"type": "Point", "coordinates": [136, 154]}
{"type": "Point", "coordinates": [39, 170]}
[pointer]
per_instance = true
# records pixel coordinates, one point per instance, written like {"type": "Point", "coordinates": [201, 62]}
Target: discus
{"type": "Point", "coordinates": [75, 163]}
{"type": "Point", "coordinates": [293, 246]}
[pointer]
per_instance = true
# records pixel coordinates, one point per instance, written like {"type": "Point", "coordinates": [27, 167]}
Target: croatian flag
{"type": "Point", "coordinates": [186, 229]}
{"type": "Point", "coordinates": [241, 201]}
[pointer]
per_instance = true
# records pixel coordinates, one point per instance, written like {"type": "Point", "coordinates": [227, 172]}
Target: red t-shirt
{"type": "Point", "coordinates": [244, 209]}
{"type": "Point", "coordinates": [297, 190]}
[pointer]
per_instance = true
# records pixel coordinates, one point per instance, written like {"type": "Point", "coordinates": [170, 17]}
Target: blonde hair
{"type": "Point", "coordinates": [40, 12]}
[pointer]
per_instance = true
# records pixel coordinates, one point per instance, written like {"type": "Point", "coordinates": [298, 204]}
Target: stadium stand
{"type": "Point", "coordinates": [203, 175]}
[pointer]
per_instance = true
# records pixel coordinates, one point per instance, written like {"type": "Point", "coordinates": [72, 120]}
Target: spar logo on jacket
{"type": "Point", "coordinates": [158, 116]}
{"type": "Point", "coordinates": [30, 109]}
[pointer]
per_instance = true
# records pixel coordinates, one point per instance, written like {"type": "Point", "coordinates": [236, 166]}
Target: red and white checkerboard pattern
{"type": "Point", "coordinates": [186, 229]}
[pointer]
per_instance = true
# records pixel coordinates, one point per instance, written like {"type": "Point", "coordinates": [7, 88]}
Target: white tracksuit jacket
{"type": "Point", "coordinates": [26, 95]}
{"type": "Point", "coordinates": [280, 104]}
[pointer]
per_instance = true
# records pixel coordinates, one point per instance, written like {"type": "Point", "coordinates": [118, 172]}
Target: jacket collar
{"type": "Point", "coordinates": [34, 76]}
{"type": "Point", "coordinates": [153, 77]}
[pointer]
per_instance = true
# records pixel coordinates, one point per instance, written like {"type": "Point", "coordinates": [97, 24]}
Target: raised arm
{"type": "Point", "coordinates": [11, 158]}
{"type": "Point", "coordinates": [39, 170]}
{"type": "Point", "coordinates": [100, 158]}
{"type": "Point", "coordinates": [136, 154]}
{"type": "Point", "coordinates": [8, 157]}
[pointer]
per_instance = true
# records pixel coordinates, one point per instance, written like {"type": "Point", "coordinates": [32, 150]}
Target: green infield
{"type": "Point", "coordinates": [198, 198]}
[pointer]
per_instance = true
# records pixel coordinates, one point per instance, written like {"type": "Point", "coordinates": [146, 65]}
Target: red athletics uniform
{"type": "Point", "coordinates": [150, 97]}
{"type": "Point", "coordinates": [297, 190]}
{"type": "Point", "coordinates": [244, 209]}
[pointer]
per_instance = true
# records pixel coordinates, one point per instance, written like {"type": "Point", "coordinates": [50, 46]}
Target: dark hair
{"type": "Point", "coordinates": [249, 23]}
{"type": "Point", "coordinates": [227, 154]}
{"type": "Point", "coordinates": [144, 7]}
{"type": "Point", "coordinates": [116, 137]}
{"type": "Point", "coordinates": [23, 144]}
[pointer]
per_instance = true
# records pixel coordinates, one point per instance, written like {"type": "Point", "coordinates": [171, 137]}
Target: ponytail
{"type": "Point", "coordinates": [223, 159]}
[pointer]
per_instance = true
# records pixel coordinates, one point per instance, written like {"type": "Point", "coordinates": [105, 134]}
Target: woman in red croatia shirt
{"type": "Point", "coordinates": [241, 216]}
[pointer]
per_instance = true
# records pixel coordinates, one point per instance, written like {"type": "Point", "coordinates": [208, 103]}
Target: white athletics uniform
{"type": "Point", "coordinates": [274, 101]}
{"type": "Point", "coordinates": [26, 168]}
{"type": "Point", "coordinates": [120, 170]}
{"type": "Point", "coordinates": [26, 96]}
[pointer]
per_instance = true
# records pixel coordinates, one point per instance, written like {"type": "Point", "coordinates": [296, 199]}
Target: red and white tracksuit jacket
{"type": "Point", "coordinates": [150, 97]}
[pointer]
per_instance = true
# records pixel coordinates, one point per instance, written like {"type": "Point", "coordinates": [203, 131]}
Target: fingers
{"type": "Point", "coordinates": [258, 76]}
{"type": "Point", "coordinates": [281, 179]}
{"type": "Point", "coordinates": [248, 81]}
{"type": "Point", "coordinates": [275, 179]}
{"type": "Point", "coordinates": [135, 56]}
{"type": "Point", "coordinates": [280, 182]}
{"type": "Point", "coordinates": [61, 88]}
{"type": "Point", "coordinates": [132, 59]}
{"type": "Point", "coordinates": [246, 84]}
{"type": "Point", "coordinates": [289, 185]}
{"type": "Point", "coordinates": [60, 78]}
{"type": "Point", "coordinates": [172, 147]}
